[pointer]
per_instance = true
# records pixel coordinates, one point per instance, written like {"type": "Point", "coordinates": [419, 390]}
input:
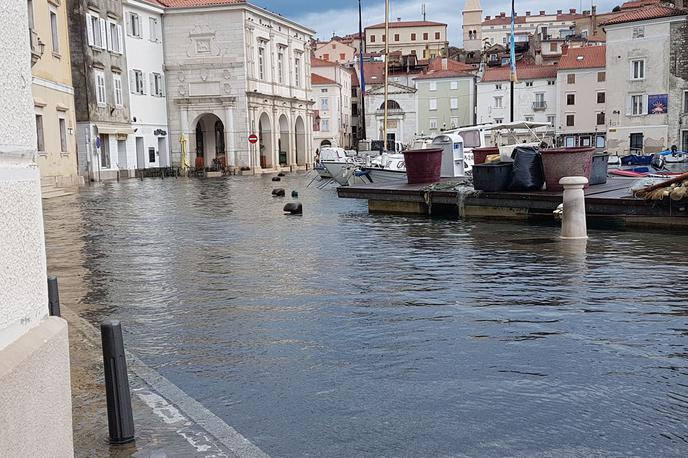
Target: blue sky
{"type": "Point", "coordinates": [341, 16]}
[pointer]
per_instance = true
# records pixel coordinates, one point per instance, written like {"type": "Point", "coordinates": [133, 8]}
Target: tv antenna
{"type": "Point", "coordinates": [422, 10]}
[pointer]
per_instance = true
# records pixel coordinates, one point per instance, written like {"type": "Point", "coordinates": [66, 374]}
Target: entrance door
{"type": "Point", "coordinates": [391, 138]}
{"type": "Point", "coordinates": [636, 143]}
{"type": "Point", "coordinates": [122, 154]}
{"type": "Point", "coordinates": [162, 152]}
{"type": "Point", "coordinates": [140, 159]}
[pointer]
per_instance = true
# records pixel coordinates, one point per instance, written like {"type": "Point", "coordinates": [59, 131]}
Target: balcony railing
{"type": "Point", "coordinates": [36, 46]}
{"type": "Point", "coordinates": [539, 106]}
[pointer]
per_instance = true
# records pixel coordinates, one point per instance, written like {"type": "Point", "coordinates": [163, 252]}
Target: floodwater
{"type": "Point", "coordinates": [339, 333]}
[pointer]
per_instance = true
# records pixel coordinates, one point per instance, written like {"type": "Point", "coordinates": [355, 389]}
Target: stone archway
{"type": "Point", "coordinates": [300, 129]}
{"type": "Point", "coordinates": [265, 141]}
{"type": "Point", "coordinates": [284, 145]}
{"type": "Point", "coordinates": [208, 143]}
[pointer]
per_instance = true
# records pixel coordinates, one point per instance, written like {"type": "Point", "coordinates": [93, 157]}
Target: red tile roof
{"type": "Point", "coordinates": [316, 62]}
{"type": "Point", "coordinates": [502, 20]}
{"type": "Point", "coordinates": [354, 77]}
{"type": "Point", "coordinates": [585, 57]}
{"type": "Point", "coordinates": [438, 63]}
{"type": "Point", "coordinates": [442, 74]}
{"type": "Point", "coordinates": [317, 79]}
{"type": "Point", "coordinates": [396, 24]}
{"type": "Point", "coordinates": [374, 72]}
{"type": "Point", "coordinates": [523, 72]}
{"type": "Point", "coordinates": [196, 3]}
{"type": "Point", "coordinates": [638, 3]}
{"type": "Point", "coordinates": [646, 13]}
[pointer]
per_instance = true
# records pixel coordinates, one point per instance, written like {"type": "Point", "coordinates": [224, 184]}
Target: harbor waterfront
{"type": "Point", "coordinates": [344, 333]}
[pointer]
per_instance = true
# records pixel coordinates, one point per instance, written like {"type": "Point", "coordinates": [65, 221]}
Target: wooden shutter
{"type": "Point", "coordinates": [119, 37]}
{"type": "Point", "coordinates": [108, 36]}
{"type": "Point", "coordinates": [143, 82]}
{"type": "Point", "coordinates": [132, 81]}
{"type": "Point", "coordinates": [162, 85]}
{"type": "Point", "coordinates": [151, 81]}
{"type": "Point", "coordinates": [89, 29]}
{"type": "Point", "coordinates": [103, 33]}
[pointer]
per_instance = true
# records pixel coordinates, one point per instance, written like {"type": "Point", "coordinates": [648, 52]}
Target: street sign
{"type": "Point", "coordinates": [253, 138]}
{"type": "Point", "coordinates": [97, 142]}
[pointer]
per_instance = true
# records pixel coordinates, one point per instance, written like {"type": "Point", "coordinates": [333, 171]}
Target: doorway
{"type": "Point", "coordinates": [636, 142]}
{"type": "Point", "coordinates": [140, 163]}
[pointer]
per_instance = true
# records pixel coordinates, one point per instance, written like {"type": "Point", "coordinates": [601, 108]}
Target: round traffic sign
{"type": "Point", "coordinates": [253, 138]}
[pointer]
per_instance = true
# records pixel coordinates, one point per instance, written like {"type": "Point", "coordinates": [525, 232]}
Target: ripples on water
{"type": "Point", "coordinates": [339, 333]}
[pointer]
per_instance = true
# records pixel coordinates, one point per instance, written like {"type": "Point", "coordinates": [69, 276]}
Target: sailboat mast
{"type": "Point", "coordinates": [362, 132]}
{"type": "Point", "coordinates": [384, 128]}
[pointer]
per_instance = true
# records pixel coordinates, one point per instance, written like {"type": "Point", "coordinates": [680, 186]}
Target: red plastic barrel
{"type": "Point", "coordinates": [423, 165]}
{"type": "Point", "coordinates": [480, 154]}
{"type": "Point", "coordinates": [566, 162]}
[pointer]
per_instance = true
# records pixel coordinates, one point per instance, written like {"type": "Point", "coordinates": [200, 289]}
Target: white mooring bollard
{"type": "Point", "coordinates": [573, 225]}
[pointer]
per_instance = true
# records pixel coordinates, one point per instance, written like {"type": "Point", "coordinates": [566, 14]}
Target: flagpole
{"type": "Point", "coordinates": [384, 128]}
{"type": "Point", "coordinates": [362, 124]}
{"type": "Point", "coordinates": [512, 58]}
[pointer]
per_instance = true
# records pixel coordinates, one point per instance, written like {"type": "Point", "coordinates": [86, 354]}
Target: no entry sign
{"type": "Point", "coordinates": [253, 138]}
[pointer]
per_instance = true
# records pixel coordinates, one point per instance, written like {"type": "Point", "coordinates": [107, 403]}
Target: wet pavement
{"type": "Point", "coordinates": [339, 333]}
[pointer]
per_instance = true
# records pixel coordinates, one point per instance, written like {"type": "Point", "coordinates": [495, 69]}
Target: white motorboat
{"type": "Point", "coordinates": [339, 166]}
{"type": "Point", "coordinates": [386, 168]}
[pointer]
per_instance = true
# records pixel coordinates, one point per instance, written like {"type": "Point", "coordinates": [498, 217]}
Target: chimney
{"type": "Point", "coordinates": [502, 14]}
{"type": "Point", "coordinates": [487, 18]}
{"type": "Point", "coordinates": [572, 11]}
{"type": "Point", "coordinates": [558, 11]}
{"type": "Point", "coordinates": [444, 63]}
{"type": "Point", "coordinates": [586, 13]}
{"type": "Point", "coordinates": [542, 12]}
{"type": "Point", "coordinates": [527, 13]}
{"type": "Point", "coordinates": [564, 49]}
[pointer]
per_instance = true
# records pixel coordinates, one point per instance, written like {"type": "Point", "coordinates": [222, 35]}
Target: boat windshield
{"type": "Point", "coordinates": [471, 138]}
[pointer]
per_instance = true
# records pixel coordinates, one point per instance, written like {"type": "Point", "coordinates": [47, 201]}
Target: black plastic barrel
{"type": "Point", "coordinates": [492, 177]}
{"type": "Point", "coordinates": [598, 173]}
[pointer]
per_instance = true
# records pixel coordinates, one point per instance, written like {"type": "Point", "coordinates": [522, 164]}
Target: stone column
{"type": "Point", "coordinates": [230, 140]}
{"type": "Point", "coordinates": [35, 391]}
{"type": "Point", "coordinates": [184, 129]}
{"type": "Point", "coordinates": [291, 153]}
{"type": "Point", "coordinates": [275, 138]}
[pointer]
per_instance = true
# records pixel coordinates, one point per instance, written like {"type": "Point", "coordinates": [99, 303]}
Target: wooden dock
{"type": "Point", "coordinates": [609, 204]}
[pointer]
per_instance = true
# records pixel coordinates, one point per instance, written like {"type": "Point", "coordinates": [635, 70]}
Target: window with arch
{"type": "Point", "coordinates": [391, 105]}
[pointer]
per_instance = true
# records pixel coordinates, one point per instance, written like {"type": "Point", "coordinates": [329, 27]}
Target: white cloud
{"type": "Point", "coordinates": [342, 21]}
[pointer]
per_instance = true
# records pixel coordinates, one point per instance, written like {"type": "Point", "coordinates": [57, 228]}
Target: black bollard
{"type": "Point", "coordinates": [281, 174]}
{"type": "Point", "coordinates": [53, 297]}
{"type": "Point", "coordinates": [276, 179]}
{"type": "Point", "coordinates": [295, 194]}
{"type": "Point", "coordinates": [120, 416]}
{"type": "Point", "coordinates": [278, 192]}
{"type": "Point", "coordinates": [293, 208]}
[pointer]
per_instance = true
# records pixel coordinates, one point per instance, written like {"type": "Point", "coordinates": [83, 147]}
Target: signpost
{"type": "Point", "coordinates": [253, 138]}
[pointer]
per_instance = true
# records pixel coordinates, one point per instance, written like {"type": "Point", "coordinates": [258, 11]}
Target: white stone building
{"type": "Point", "coordinates": [234, 69]}
{"type": "Point", "coordinates": [581, 97]}
{"type": "Point", "coordinates": [535, 94]}
{"type": "Point", "coordinates": [331, 84]}
{"type": "Point", "coordinates": [148, 104]}
{"type": "Point", "coordinates": [647, 87]}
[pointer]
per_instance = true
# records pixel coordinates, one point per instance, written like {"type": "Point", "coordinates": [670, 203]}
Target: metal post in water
{"type": "Point", "coordinates": [53, 297]}
{"type": "Point", "coordinates": [120, 416]}
{"type": "Point", "coordinates": [573, 224]}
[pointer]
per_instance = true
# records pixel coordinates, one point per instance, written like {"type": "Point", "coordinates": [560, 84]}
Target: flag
{"type": "Point", "coordinates": [512, 45]}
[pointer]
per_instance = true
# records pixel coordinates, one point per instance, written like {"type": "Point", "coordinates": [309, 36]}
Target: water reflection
{"type": "Point", "coordinates": [341, 333]}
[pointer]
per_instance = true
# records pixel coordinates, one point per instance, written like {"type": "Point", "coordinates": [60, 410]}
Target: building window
{"type": "Point", "coordinates": [551, 82]}
{"type": "Point", "coordinates": [384, 38]}
{"type": "Point", "coordinates": [54, 31]}
{"type": "Point", "coordinates": [638, 69]}
{"type": "Point", "coordinates": [529, 118]}
{"type": "Point", "coordinates": [29, 4]}
{"type": "Point", "coordinates": [326, 57]}
{"type": "Point", "coordinates": [498, 120]}
{"type": "Point", "coordinates": [570, 99]}
{"type": "Point", "coordinates": [433, 85]}
{"type": "Point", "coordinates": [280, 65]}
{"type": "Point", "coordinates": [425, 36]}
{"type": "Point", "coordinates": [354, 109]}
{"type": "Point", "coordinates": [117, 83]}
{"type": "Point", "coordinates": [636, 142]}
{"type": "Point", "coordinates": [396, 37]}
{"type": "Point", "coordinates": [529, 84]}
{"type": "Point", "coordinates": [454, 85]}
{"type": "Point", "coordinates": [433, 104]}
{"type": "Point", "coordinates": [433, 123]}
{"type": "Point", "coordinates": [342, 56]}
{"type": "Point", "coordinates": [114, 37]}
{"type": "Point", "coordinates": [157, 85]}
{"type": "Point", "coordinates": [599, 141]}
{"type": "Point", "coordinates": [324, 104]}
{"type": "Point", "coordinates": [372, 38]}
{"type": "Point", "coordinates": [40, 138]}
{"type": "Point", "coordinates": [297, 71]}
{"type": "Point", "coordinates": [325, 124]}
{"type": "Point", "coordinates": [571, 78]}
{"type": "Point", "coordinates": [551, 119]}
{"type": "Point", "coordinates": [637, 104]}
{"type": "Point", "coordinates": [134, 25]}
{"type": "Point", "coordinates": [570, 119]}
{"type": "Point", "coordinates": [154, 31]}
{"type": "Point", "coordinates": [261, 63]}
{"type": "Point", "coordinates": [638, 32]}
{"type": "Point", "coordinates": [413, 37]}
{"type": "Point", "coordinates": [585, 141]}
{"type": "Point", "coordinates": [601, 77]}
{"type": "Point", "coordinates": [136, 82]}
{"type": "Point", "coordinates": [454, 103]}
{"type": "Point", "coordinates": [101, 98]}
{"type": "Point", "coordinates": [498, 87]}
{"type": "Point", "coordinates": [62, 126]}
{"type": "Point", "coordinates": [685, 101]}
{"type": "Point", "coordinates": [553, 47]}
{"type": "Point", "coordinates": [454, 122]}
{"type": "Point", "coordinates": [437, 35]}
{"type": "Point", "coordinates": [600, 119]}
{"type": "Point", "coordinates": [600, 97]}
{"type": "Point", "coordinates": [570, 142]}
{"type": "Point", "coordinates": [498, 102]}
{"type": "Point", "coordinates": [96, 31]}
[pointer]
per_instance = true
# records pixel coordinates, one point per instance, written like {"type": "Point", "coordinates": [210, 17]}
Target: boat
{"type": "Point", "coordinates": [386, 168]}
{"type": "Point", "coordinates": [674, 157]}
{"type": "Point", "coordinates": [636, 159]}
{"type": "Point", "coordinates": [340, 167]}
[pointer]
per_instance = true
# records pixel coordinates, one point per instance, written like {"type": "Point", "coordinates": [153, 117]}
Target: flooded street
{"type": "Point", "coordinates": [339, 333]}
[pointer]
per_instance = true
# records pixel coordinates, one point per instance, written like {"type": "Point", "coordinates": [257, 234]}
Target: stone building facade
{"type": "Point", "coordinates": [101, 88]}
{"type": "Point", "coordinates": [424, 39]}
{"type": "Point", "coordinates": [647, 80]}
{"type": "Point", "coordinates": [233, 70]}
{"type": "Point", "coordinates": [53, 94]}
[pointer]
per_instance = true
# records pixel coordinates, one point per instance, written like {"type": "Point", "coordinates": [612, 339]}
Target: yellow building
{"type": "Point", "coordinates": [425, 39]}
{"type": "Point", "coordinates": [53, 94]}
